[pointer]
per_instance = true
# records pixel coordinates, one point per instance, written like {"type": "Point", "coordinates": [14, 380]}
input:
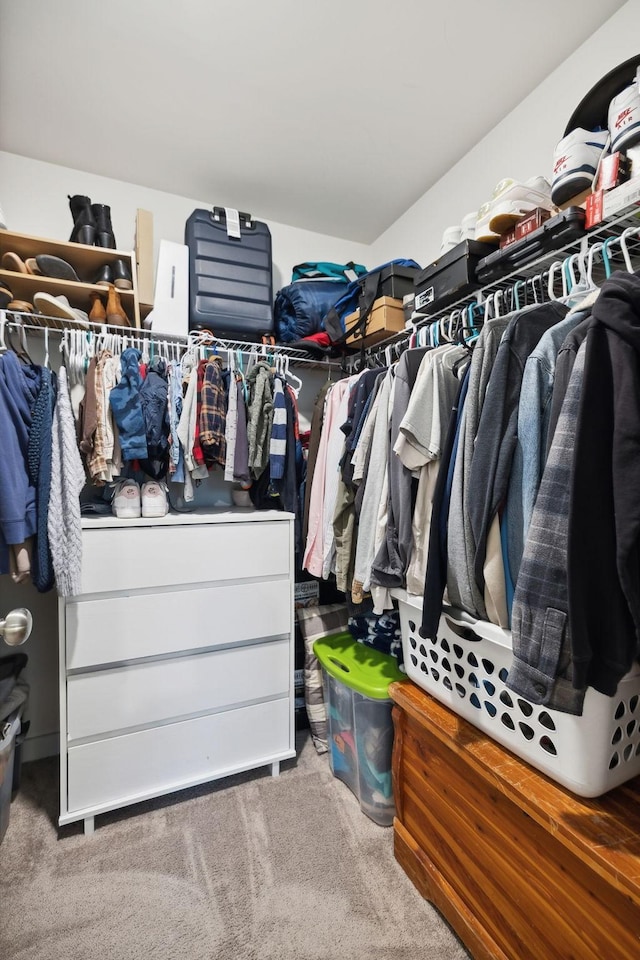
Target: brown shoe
{"type": "Point", "coordinates": [97, 314]}
{"type": "Point", "coordinates": [11, 261]}
{"type": "Point", "coordinates": [20, 306]}
{"type": "Point", "coordinates": [115, 314]}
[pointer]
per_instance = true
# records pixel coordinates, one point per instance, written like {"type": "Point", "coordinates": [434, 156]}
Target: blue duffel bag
{"type": "Point", "coordinates": [300, 307]}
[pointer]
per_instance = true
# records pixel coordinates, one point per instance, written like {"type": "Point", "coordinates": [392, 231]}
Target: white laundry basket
{"type": "Point", "coordinates": [466, 666]}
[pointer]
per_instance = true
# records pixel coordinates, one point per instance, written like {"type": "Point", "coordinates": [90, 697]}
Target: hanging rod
{"type": "Point", "coordinates": [39, 323]}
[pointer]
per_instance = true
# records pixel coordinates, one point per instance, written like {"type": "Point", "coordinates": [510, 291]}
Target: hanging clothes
{"type": "Point", "coordinates": [542, 670]}
{"type": "Point", "coordinates": [604, 517]}
{"type": "Point", "coordinates": [67, 481]}
{"type": "Point", "coordinates": [127, 407]}
{"type": "Point", "coordinates": [462, 589]}
{"type": "Point", "coordinates": [39, 459]}
{"type": "Point", "coordinates": [260, 415]}
{"type": "Point", "coordinates": [213, 414]}
{"type": "Point", "coordinates": [19, 387]}
{"type": "Point", "coordinates": [392, 558]}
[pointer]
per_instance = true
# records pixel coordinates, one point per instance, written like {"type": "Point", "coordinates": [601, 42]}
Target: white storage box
{"type": "Point", "coordinates": [466, 667]}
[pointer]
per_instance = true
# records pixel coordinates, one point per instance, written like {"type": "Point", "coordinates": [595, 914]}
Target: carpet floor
{"type": "Point", "coordinates": [247, 868]}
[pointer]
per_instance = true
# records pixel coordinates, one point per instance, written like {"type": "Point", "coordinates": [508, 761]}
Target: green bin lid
{"type": "Point", "coordinates": [357, 666]}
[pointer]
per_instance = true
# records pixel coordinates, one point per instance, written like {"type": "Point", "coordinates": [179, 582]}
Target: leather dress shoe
{"type": "Point", "coordinates": [104, 276]}
{"type": "Point", "coordinates": [121, 275]}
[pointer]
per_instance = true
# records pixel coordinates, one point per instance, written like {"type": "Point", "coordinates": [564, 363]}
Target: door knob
{"type": "Point", "coordinates": [16, 627]}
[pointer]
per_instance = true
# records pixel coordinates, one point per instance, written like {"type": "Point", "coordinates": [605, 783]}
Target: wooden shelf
{"type": "Point", "coordinates": [85, 260]}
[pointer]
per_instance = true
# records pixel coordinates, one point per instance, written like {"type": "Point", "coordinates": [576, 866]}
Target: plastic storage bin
{"type": "Point", "coordinates": [360, 730]}
{"type": "Point", "coordinates": [466, 667]}
{"type": "Point", "coordinates": [9, 730]}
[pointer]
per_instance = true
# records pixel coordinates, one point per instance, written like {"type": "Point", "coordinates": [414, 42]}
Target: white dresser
{"type": "Point", "coordinates": [176, 660]}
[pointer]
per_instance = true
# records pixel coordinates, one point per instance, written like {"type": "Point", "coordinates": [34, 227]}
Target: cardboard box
{"type": "Point", "coordinates": [385, 319]}
{"type": "Point", "coordinates": [606, 203]}
{"type": "Point", "coordinates": [144, 255]}
{"type": "Point", "coordinates": [614, 170]}
{"type": "Point", "coordinates": [507, 239]}
{"type": "Point", "coordinates": [532, 221]}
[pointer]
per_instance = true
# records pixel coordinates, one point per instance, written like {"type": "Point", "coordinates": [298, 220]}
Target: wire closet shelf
{"type": "Point", "coordinates": [611, 244]}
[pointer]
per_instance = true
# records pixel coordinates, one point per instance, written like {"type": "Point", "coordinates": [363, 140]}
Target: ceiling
{"type": "Point", "coordinates": [334, 115]}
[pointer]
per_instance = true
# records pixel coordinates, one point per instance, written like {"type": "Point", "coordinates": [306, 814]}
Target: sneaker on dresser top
{"type": "Point", "coordinates": [624, 116]}
{"type": "Point", "coordinates": [575, 162]}
{"type": "Point", "coordinates": [155, 500]}
{"type": "Point", "coordinates": [512, 200]}
{"type": "Point", "coordinates": [126, 500]}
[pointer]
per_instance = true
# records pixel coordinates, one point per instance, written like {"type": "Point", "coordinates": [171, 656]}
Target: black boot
{"type": "Point", "coordinates": [104, 230]}
{"type": "Point", "coordinates": [84, 223]}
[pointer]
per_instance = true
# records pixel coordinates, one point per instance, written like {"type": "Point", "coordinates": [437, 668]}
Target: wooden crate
{"type": "Point", "coordinates": [521, 868]}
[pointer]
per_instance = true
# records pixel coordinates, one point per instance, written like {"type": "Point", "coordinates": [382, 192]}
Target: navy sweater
{"type": "Point", "coordinates": [19, 386]}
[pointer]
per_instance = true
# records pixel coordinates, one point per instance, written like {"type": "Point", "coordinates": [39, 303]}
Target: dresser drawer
{"type": "Point", "coordinates": [146, 693]}
{"type": "Point", "coordinates": [150, 762]}
{"type": "Point", "coordinates": [131, 558]}
{"type": "Point", "coordinates": [147, 625]}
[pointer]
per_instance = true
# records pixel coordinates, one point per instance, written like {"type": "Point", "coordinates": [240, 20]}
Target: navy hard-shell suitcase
{"type": "Point", "coordinates": [230, 283]}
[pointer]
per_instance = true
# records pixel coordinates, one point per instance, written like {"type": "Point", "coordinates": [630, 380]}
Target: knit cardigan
{"type": "Point", "coordinates": [67, 481]}
{"type": "Point", "coordinates": [39, 459]}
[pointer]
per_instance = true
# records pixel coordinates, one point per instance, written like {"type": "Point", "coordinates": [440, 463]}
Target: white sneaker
{"type": "Point", "coordinates": [468, 226]}
{"type": "Point", "coordinates": [126, 500]}
{"type": "Point", "coordinates": [512, 200]}
{"type": "Point", "coordinates": [624, 117]}
{"type": "Point", "coordinates": [155, 501]}
{"type": "Point", "coordinates": [60, 307]}
{"type": "Point", "coordinates": [482, 232]}
{"type": "Point", "coordinates": [450, 239]}
{"type": "Point", "coordinates": [575, 162]}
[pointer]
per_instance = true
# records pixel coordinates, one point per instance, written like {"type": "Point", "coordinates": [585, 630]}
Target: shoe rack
{"type": "Point", "coordinates": [85, 260]}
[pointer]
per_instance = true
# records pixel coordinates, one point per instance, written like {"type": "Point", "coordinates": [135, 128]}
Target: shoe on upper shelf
{"type": "Point", "coordinates": [468, 226]}
{"type": "Point", "coordinates": [56, 267]}
{"type": "Point", "coordinates": [575, 162]}
{"type": "Point", "coordinates": [60, 308]}
{"type": "Point", "coordinates": [482, 232]}
{"type": "Point", "coordinates": [121, 275]}
{"type": "Point", "coordinates": [155, 500]}
{"type": "Point", "coordinates": [624, 116]}
{"type": "Point", "coordinates": [126, 502]}
{"type": "Point", "coordinates": [511, 200]}
{"type": "Point", "coordinates": [450, 239]}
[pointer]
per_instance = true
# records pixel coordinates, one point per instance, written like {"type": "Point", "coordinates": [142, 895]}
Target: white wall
{"type": "Point", "coordinates": [520, 146]}
{"type": "Point", "coordinates": [34, 195]}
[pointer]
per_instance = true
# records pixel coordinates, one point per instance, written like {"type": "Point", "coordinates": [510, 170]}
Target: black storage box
{"type": "Point", "coordinates": [396, 281]}
{"type": "Point", "coordinates": [553, 234]}
{"type": "Point", "coordinates": [451, 277]}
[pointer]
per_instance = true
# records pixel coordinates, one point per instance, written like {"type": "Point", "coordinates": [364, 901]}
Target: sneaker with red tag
{"type": "Point", "coordinates": [575, 162]}
{"type": "Point", "coordinates": [624, 116]}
